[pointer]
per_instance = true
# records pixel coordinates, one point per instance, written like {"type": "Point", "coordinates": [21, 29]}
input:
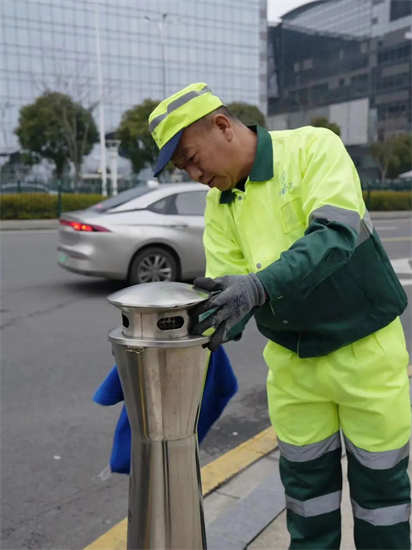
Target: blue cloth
{"type": "Point", "coordinates": [220, 386]}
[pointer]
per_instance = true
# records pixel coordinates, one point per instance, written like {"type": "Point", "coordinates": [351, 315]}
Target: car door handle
{"type": "Point", "coordinates": [178, 225]}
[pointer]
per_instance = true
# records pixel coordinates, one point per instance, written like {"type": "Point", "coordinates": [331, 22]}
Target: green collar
{"type": "Point", "coordinates": [262, 169]}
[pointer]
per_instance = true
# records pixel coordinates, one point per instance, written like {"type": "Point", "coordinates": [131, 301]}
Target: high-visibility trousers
{"type": "Point", "coordinates": [361, 391]}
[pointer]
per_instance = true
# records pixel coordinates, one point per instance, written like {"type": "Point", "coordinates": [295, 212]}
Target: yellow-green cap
{"type": "Point", "coordinates": [177, 112]}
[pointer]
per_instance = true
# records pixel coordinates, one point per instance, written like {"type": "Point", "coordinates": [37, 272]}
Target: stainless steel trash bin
{"type": "Point", "coordinates": [162, 371]}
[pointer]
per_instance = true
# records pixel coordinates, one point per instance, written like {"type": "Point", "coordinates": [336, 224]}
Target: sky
{"type": "Point", "coordinates": [276, 8]}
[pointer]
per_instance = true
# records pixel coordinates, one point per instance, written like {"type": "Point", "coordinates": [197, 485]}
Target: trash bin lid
{"type": "Point", "coordinates": [159, 296]}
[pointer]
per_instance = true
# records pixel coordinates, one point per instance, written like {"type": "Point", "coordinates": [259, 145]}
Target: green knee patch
{"type": "Point", "coordinates": [373, 489]}
{"type": "Point", "coordinates": [314, 478]}
{"type": "Point", "coordinates": [369, 537]}
{"type": "Point", "coordinates": [315, 533]}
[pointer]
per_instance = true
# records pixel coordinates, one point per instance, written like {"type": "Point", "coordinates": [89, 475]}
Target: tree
{"type": "Point", "coordinates": [137, 143]}
{"type": "Point", "coordinates": [393, 155]}
{"type": "Point", "coordinates": [57, 128]}
{"type": "Point", "coordinates": [246, 113]}
{"type": "Point", "coordinates": [323, 122]}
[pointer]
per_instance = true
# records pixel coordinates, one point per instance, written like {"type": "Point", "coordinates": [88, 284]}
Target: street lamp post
{"type": "Point", "coordinates": [101, 104]}
{"type": "Point", "coordinates": [113, 146]}
{"type": "Point", "coordinates": [162, 37]}
{"type": "Point", "coordinates": [165, 18]}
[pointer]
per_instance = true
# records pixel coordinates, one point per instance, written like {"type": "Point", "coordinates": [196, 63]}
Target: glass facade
{"type": "Point", "coordinates": [348, 59]}
{"type": "Point", "coordinates": [149, 48]}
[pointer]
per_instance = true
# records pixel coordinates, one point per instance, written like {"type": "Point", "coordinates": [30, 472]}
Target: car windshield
{"type": "Point", "coordinates": [121, 198]}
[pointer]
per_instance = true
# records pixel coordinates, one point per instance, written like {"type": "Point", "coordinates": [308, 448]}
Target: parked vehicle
{"type": "Point", "coordinates": [141, 235]}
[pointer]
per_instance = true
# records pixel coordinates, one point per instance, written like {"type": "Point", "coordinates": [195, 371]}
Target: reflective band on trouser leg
{"type": "Point", "coordinates": [315, 506]}
{"type": "Point", "coordinates": [380, 492]}
{"type": "Point", "coordinates": [294, 453]}
{"type": "Point", "coordinates": [383, 517]}
{"type": "Point", "coordinates": [312, 477]}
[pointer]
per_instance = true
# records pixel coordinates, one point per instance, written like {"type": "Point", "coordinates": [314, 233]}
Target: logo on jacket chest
{"type": "Point", "coordinates": [285, 186]}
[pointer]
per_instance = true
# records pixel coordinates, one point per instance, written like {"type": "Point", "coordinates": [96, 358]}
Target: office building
{"type": "Point", "coordinates": [149, 49]}
{"type": "Point", "coordinates": [347, 60]}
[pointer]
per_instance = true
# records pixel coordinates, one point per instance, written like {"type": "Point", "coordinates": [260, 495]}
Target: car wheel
{"type": "Point", "coordinates": [151, 265]}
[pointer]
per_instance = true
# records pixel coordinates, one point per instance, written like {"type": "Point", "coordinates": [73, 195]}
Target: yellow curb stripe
{"type": "Point", "coordinates": [231, 463]}
{"type": "Point", "coordinates": [214, 474]}
{"type": "Point", "coordinates": [114, 539]}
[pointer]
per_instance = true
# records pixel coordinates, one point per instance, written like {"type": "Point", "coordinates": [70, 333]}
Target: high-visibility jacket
{"type": "Point", "coordinates": [301, 224]}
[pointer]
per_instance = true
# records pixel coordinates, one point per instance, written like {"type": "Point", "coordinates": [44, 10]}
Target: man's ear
{"type": "Point", "coordinates": [224, 125]}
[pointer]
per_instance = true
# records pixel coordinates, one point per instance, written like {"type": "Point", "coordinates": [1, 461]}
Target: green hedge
{"type": "Point", "coordinates": [388, 200]}
{"type": "Point", "coordinates": [32, 206]}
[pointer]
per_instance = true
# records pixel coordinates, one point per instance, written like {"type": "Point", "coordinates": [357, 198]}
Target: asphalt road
{"type": "Point", "coordinates": [55, 440]}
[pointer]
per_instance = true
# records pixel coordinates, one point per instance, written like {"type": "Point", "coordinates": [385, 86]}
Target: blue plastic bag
{"type": "Point", "coordinates": [220, 386]}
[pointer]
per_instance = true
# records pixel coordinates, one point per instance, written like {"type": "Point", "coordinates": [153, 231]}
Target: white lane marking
{"type": "Point", "coordinates": [386, 227]}
{"type": "Point", "coordinates": [402, 266]}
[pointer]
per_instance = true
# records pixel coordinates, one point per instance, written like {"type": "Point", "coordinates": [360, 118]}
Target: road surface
{"type": "Point", "coordinates": [55, 440]}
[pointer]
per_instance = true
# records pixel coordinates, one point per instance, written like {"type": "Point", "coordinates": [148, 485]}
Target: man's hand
{"type": "Point", "coordinates": [236, 296]}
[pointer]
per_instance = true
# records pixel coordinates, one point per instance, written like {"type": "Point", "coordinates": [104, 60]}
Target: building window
{"type": "Point", "coordinates": [391, 110]}
{"type": "Point", "coordinates": [400, 8]}
{"type": "Point", "coordinates": [375, 20]}
{"type": "Point", "coordinates": [394, 82]}
{"type": "Point", "coordinates": [341, 82]}
{"type": "Point", "coordinates": [364, 47]}
{"type": "Point", "coordinates": [359, 83]}
{"type": "Point", "coordinates": [307, 64]}
{"type": "Point", "coordinates": [394, 53]}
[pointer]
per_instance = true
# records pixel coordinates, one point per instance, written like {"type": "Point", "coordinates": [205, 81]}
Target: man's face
{"type": "Point", "coordinates": [205, 152]}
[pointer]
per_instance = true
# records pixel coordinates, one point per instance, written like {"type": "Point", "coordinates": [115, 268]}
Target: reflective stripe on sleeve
{"type": "Point", "coordinates": [295, 453]}
{"type": "Point", "coordinates": [382, 460]}
{"type": "Point", "coordinates": [366, 228]}
{"type": "Point", "coordinates": [315, 506]}
{"type": "Point", "coordinates": [390, 515]}
{"type": "Point", "coordinates": [336, 214]}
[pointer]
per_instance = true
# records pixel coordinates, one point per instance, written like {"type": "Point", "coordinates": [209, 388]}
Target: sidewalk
{"type": "Point", "coordinates": [28, 225]}
{"type": "Point", "coordinates": [244, 502]}
{"type": "Point", "coordinates": [34, 225]}
{"type": "Point", "coordinates": [249, 510]}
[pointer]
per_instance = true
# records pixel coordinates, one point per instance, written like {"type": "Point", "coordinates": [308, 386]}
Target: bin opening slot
{"type": "Point", "coordinates": [125, 321]}
{"type": "Point", "coordinates": [170, 323]}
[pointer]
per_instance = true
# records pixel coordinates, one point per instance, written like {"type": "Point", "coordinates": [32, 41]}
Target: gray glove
{"type": "Point", "coordinates": [236, 296]}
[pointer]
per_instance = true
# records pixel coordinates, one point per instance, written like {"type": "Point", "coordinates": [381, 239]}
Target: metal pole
{"type": "Point", "coordinates": [59, 198]}
{"type": "Point", "coordinates": [162, 36]}
{"type": "Point", "coordinates": [113, 169]}
{"type": "Point", "coordinates": [101, 104]}
{"type": "Point", "coordinates": [113, 146]}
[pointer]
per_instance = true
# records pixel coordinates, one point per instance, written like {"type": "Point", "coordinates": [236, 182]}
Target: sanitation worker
{"type": "Point", "coordinates": [288, 240]}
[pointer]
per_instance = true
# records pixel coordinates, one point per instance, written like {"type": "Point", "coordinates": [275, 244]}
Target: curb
{"type": "Point", "coordinates": [237, 527]}
{"type": "Point", "coordinates": [28, 225]}
{"type": "Point", "coordinates": [214, 475]}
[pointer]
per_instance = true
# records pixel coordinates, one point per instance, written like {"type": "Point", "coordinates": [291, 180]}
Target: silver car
{"type": "Point", "coordinates": [144, 234]}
